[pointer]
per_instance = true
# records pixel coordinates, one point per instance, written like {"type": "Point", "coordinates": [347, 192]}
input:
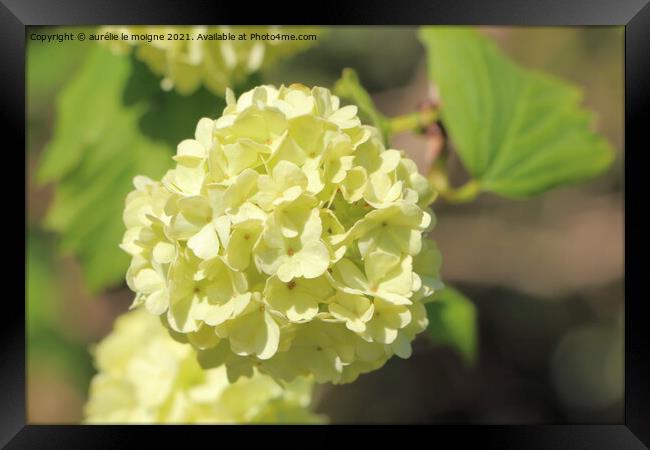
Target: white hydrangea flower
{"type": "Point", "coordinates": [147, 377]}
{"type": "Point", "coordinates": [287, 238]}
{"type": "Point", "coordinates": [194, 57]}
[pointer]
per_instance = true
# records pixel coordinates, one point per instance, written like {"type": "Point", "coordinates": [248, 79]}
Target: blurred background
{"type": "Point", "coordinates": [546, 274]}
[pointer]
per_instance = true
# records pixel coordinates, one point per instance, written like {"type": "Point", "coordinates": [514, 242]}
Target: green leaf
{"type": "Point", "coordinates": [452, 322]}
{"type": "Point", "coordinates": [517, 131]}
{"type": "Point", "coordinates": [113, 122]}
{"type": "Point", "coordinates": [95, 152]}
{"type": "Point", "coordinates": [349, 88]}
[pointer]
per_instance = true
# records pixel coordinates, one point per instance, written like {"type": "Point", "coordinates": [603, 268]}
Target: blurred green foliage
{"type": "Point", "coordinates": [587, 366]}
{"type": "Point", "coordinates": [518, 132]}
{"type": "Point", "coordinates": [349, 88]}
{"type": "Point", "coordinates": [48, 68]}
{"type": "Point", "coordinates": [46, 342]}
{"type": "Point", "coordinates": [453, 322]}
{"type": "Point", "coordinates": [383, 57]}
{"type": "Point", "coordinates": [167, 116]}
{"type": "Point", "coordinates": [40, 282]}
{"type": "Point", "coordinates": [96, 151]}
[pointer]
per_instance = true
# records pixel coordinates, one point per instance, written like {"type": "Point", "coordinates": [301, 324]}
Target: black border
{"type": "Point", "coordinates": [15, 15]}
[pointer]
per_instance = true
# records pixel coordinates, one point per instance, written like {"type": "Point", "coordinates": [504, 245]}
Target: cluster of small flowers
{"type": "Point", "coordinates": [187, 61]}
{"type": "Point", "coordinates": [287, 238]}
{"type": "Point", "coordinates": [145, 377]}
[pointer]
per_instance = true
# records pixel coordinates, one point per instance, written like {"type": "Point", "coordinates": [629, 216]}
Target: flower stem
{"type": "Point", "coordinates": [440, 183]}
{"type": "Point", "coordinates": [463, 194]}
{"type": "Point", "coordinates": [413, 121]}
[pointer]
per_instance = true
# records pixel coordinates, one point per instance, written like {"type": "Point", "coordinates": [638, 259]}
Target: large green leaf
{"type": "Point", "coordinates": [349, 88]}
{"type": "Point", "coordinates": [452, 322]}
{"type": "Point", "coordinates": [517, 131]}
{"type": "Point", "coordinates": [97, 148]}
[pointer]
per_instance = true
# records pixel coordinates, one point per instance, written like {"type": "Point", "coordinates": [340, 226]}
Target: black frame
{"type": "Point", "coordinates": [16, 15]}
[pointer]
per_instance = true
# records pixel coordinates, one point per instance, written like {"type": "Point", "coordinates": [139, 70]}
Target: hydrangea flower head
{"type": "Point", "coordinates": [146, 377]}
{"type": "Point", "coordinates": [287, 238]}
{"type": "Point", "coordinates": [194, 57]}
